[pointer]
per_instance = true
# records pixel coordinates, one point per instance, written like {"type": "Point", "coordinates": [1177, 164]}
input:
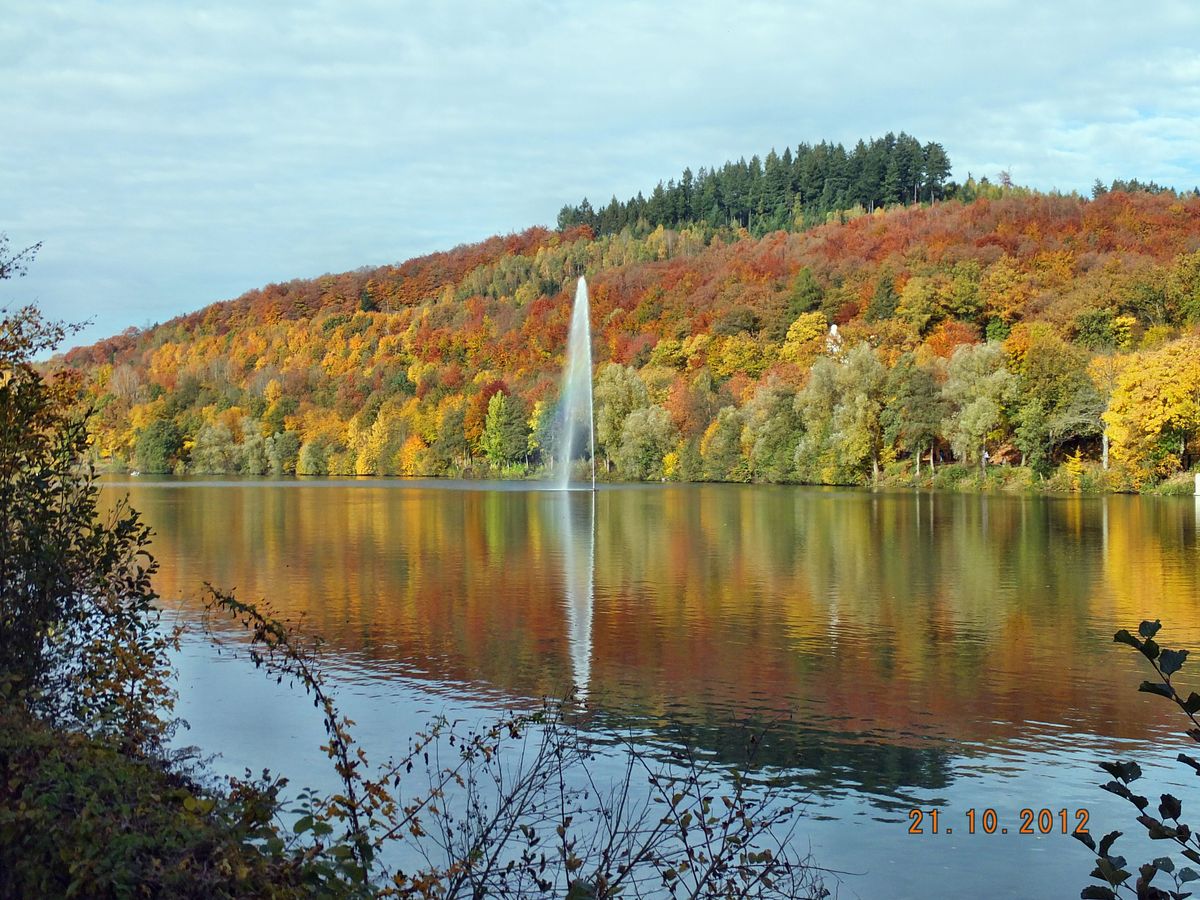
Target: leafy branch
{"type": "Point", "coordinates": [1168, 825]}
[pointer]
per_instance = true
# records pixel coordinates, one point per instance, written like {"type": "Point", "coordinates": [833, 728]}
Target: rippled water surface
{"type": "Point", "coordinates": [901, 650]}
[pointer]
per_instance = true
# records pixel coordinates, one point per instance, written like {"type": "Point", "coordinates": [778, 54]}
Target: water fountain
{"type": "Point", "coordinates": [578, 526]}
{"type": "Point", "coordinates": [577, 392]}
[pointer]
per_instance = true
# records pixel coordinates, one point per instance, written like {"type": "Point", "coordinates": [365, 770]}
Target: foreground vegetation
{"type": "Point", "coordinates": [1163, 822]}
{"type": "Point", "coordinates": [93, 801]}
{"type": "Point", "coordinates": [81, 817]}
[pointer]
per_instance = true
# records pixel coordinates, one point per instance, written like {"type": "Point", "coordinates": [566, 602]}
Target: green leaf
{"type": "Point", "coordinates": [1086, 839]}
{"type": "Point", "coordinates": [1149, 629]}
{"type": "Point", "coordinates": [303, 824]}
{"type": "Point", "coordinates": [1192, 703]}
{"type": "Point", "coordinates": [1156, 687]}
{"type": "Point", "coordinates": [1150, 650]}
{"type": "Point", "coordinates": [1191, 761]}
{"type": "Point", "coordinates": [1096, 892]}
{"type": "Point", "coordinates": [1187, 873]}
{"type": "Point", "coordinates": [1164, 864]}
{"type": "Point", "coordinates": [1171, 661]}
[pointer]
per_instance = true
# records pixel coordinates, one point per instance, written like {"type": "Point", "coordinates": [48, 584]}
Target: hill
{"type": "Point", "coordinates": [1021, 326]}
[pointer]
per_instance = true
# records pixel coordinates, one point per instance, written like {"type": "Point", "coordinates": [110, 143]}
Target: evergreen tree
{"type": "Point", "coordinates": [883, 302]}
{"type": "Point", "coordinates": [784, 191]}
{"type": "Point", "coordinates": [805, 294]}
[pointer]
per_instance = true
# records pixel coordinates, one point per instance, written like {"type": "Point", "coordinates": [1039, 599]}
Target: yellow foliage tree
{"type": "Point", "coordinates": [739, 353]}
{"type": "Point", "coordinates": [805, 338]}
{"type": "Point", "coordinates": [1155, 409]}
{"type": "Point", "coordinates": [1005, 290]}
{"type": "Point", "coordinates": [411, 458]}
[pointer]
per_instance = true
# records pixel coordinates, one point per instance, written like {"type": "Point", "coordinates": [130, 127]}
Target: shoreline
{"type": "Point", "coordinates": [949, 479]}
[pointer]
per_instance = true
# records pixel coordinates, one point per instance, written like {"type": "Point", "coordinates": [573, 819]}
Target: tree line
{"type": "Point", "coordinates": [782, 191]}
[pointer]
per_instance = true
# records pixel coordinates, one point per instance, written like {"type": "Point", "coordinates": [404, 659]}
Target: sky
{"type": "Point", "coordinates": [168, 155]}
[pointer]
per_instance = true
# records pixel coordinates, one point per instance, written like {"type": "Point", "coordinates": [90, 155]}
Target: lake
{"type": "Point", "coordinates": [902, 650]}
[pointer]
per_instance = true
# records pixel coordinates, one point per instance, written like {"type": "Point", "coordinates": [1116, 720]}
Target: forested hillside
{"type": "Point", "coordinates": [1029, 328]}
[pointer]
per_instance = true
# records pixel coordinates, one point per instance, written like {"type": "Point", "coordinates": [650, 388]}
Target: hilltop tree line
{"type": "Point", "coordinates": [1029, 327]}
{"type": "Point", "coordinates": [1134, 185]}
{"type": "Point", "coordinates": [782, 192]}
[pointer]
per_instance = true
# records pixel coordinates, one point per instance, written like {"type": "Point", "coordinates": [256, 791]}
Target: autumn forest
{"type": "Point", "coordinates": [821, 316]}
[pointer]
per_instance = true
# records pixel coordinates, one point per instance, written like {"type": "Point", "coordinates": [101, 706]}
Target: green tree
{"type": "Point", "coordinates": [979, 388]}
{"type": "Point", "coordinates": [618, 392]}
{"type": "Point", "coordinates": [282, 448]}
{"type": "Point", "coordinates": [857, 420]}
{"type": "Point", "coordinates": [1056, 400]}
{"type": "Point", "coordinates": [721, 447]}
{"type": "Point", "coordinates": [912, 417]}
{"type": "Point", "coordinates": [450, 449]}
{"type": "Point", "coordinates": [1183, 284]}
{"type": "Point", "coordinates": [804, 294]}
{"type": "Point", "coordinates": [214, 452]}
{"type": "Point", "coordinates": [541, 431]}
{"type": "Point", "coordinates": [841, 410]}
{"type": "Point", "coordinates": [937, 170]}
{"type": "Point", "coordinates": [505, 435]}
{"type": "Point", "coordinates": [646, 437]}
{"type": "Point", "coordinates": [882, 304]}
{"type": "Point", "coordinates": [815, 460]}
{"type": "Point", "coordinates": [772, 431]}
{"type": "Point", "coordinates": [253, 449]}
{"type": "Point", "coordinates": [920, 304]}
{"type": "Point", "coordinates": [158, 446]}
{"type": "Point", "coordinates": [313, 458]}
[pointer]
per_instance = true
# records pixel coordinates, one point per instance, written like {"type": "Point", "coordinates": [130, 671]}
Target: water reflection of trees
{"type": "Point", "coordinates": [892, 626]}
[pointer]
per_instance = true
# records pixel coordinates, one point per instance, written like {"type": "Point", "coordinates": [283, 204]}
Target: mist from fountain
{"type": "Point", "coordinates": [576, 404]}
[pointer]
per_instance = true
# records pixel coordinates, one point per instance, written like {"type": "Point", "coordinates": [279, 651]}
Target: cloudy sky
{"type": "Point", "coordinates": [169, 155]}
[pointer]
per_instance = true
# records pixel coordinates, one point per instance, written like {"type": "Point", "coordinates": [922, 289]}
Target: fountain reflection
{"type": "Point", "coordinates": [578, 517]}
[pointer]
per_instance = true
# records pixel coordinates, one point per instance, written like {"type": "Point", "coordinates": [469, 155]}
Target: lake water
{"type": "Point", "coordinates": [907, 651]}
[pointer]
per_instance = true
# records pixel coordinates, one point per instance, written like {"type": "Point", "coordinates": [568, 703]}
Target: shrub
{"type": "Point", "coordinates": [79, 635]}
{"type": "Point", "coordinates": [79, 818]}
{"type": "Point", "coordinates": [1182, 484]}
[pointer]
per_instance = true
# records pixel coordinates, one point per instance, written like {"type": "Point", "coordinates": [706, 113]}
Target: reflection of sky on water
{"type": "Point", "coordinates": [896, 650]}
